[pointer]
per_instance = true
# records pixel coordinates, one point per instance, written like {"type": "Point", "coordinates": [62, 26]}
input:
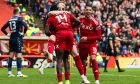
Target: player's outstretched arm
{"type": "Point", "coordinates": [76, 23]}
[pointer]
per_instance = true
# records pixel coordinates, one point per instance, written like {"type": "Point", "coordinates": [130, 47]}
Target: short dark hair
{"type": "Point", "coordinates": [15, 11]}
{"type": "Point", "coordinates": [88, 5]}
{"type": "Point", "coordinates": [54, 7]}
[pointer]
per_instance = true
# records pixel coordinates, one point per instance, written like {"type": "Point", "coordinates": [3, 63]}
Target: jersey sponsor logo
{"type": "Point", "coordinates": [88, 27]}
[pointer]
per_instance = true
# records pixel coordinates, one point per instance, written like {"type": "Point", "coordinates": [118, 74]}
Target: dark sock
{"type": "Point", "coordinates": [66, 65]}
{"type": "Point", "coordinates": [10, 64]}
{"type": "Point", "coordinates": [19, 64]}
{"type": "Point", "coordinates": [59, 57]}
{"type": "Point", "coordinates": [117, 63]}
{"type": "Point", "coordinates": [105, 68]}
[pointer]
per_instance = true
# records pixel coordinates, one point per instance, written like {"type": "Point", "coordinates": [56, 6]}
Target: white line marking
{"type": "Point", "coordinates": [115, 75]}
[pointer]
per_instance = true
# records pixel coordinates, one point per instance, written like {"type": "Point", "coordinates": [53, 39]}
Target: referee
{"type": "Point", "coordinates": [112, 50]}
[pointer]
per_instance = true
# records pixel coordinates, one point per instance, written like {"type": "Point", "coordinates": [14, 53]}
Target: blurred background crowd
{"type": "Point", "coordinates": [123, 15]}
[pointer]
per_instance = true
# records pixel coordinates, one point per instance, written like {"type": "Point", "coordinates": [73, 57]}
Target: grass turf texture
{"type": "Point", "coordinates": [130, 76]}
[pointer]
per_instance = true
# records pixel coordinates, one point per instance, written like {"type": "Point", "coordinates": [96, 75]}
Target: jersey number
{"type": "Point", "coordinates": [94, 50]}
{"type": "Point", "coordinates": [61, 18]}
{"type": "Point", "coordinates": [13, 26]}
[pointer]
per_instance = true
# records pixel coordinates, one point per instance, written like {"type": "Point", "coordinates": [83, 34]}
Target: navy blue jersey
{"type": "Point", "coordinates": [15, 24]}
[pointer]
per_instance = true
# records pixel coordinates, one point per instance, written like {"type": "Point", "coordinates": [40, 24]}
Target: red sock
{"type": "Point", "coordinates": [67, 75]}
{"type": "Point", "coordinates": [84, 69]}
{"type": "Point", "coordinates": [59, 77]}
{"type": "Point", "coordinates": [79, 65]}
{"type": "Point", "coordinates": [95, 69]}
{"type": "Point", "coordinates": [50, 46]}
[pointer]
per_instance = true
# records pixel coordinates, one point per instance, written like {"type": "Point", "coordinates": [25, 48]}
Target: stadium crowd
{"type": "Point", "coordinates": [124, 15]}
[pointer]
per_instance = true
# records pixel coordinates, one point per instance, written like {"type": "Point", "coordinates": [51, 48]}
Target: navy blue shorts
{"type": "Point", "coordinates": [109, 53]}
{"type": "Point", "coordinates": [15, 45]}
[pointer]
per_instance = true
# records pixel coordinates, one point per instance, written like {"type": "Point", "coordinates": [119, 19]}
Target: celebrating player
{"type": "Point", "coordinates": [16, 34]}
{"type": "Point", "coordinates": [89, 32]}
{"type": "Point", "coordinates": [61, 25]}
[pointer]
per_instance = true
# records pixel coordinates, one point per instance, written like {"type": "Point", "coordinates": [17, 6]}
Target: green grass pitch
{"type": "Point", "coordinates": [130, 76]}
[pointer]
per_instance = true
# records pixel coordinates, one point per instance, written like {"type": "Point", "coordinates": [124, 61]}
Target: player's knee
{"type": "Point", "coordinates": [52, 37]}
{"type": "Point", "coordinates": [19, 55]}
{"type": "Point", "coordinates": [74, 54]}
{"type": "Point", "coordinates": [107, 57]}
{"type": "Point", "coordinates": [116, 58]}
{"type": "Point", "coordinates": [75, 51]}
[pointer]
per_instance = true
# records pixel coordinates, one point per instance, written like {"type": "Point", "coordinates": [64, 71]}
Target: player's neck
{"type": "Point", "coordinates": [16, 15]}
{"type": "Point", "coordinates": [87, 18]}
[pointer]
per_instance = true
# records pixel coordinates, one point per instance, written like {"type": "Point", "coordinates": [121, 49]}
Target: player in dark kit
{"type": "Point", "coordinates": [112, 50]}
{"type": "Point", "coordinates": [61, 25]}
{"type": "Point", "coordinates": [90, 33]}
{"type": "Point", "coordinates": [16, 34]}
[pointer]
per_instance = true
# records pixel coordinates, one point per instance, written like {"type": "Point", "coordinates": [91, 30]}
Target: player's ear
{"type": "Point", "coordinates": [93, 12]}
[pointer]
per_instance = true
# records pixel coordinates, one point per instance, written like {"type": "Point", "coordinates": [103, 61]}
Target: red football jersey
{"type": "Point", "coordinates": [90, 29]}
{"type": "Point", "coordinates": [62, 21]}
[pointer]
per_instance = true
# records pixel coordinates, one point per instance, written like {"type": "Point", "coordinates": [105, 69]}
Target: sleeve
{"type": "Point", "coordinates": [72, 17]}
{"type": "Point", "coordinates": [3, 29]}
{"type": "Point", "coordinates": [96, 22]}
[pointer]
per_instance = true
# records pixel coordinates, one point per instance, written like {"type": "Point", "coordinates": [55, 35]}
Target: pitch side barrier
{"type": "Point", "coordinates": [33, 47]}
{"type": "Point", "coordinates": [33, 57]}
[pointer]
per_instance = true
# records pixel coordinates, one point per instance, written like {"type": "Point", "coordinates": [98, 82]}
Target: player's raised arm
{"type": "Point", "coordinates": [3, 29]}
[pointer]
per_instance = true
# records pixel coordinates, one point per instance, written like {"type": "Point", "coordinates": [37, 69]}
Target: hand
{"type": "Point", "coordinates": [112, 50]}
{"type": "Point", "coordinates": [8, 34]}
{"type": "Point", "coordinates": [22, 34]}
{"type": "Point", "coordinates": [83, 39]}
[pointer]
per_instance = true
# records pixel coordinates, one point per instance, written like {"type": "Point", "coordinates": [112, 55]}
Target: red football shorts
{"type": "Point", "coordinates": [64, 40]}
{"type": "Point", "coordinates": [87, 49]}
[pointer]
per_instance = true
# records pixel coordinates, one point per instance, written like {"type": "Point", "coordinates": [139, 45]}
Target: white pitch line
{"type": "Point", "coordinates": [115, 75]}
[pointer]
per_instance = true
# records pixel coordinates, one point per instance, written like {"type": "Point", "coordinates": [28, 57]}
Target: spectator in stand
{"type": "Point", "coordinates": [123, 15]}
{"type": "Point", "coordinates": [21, 8]}
{"type": "Point", "coordinates": [99, 59]}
